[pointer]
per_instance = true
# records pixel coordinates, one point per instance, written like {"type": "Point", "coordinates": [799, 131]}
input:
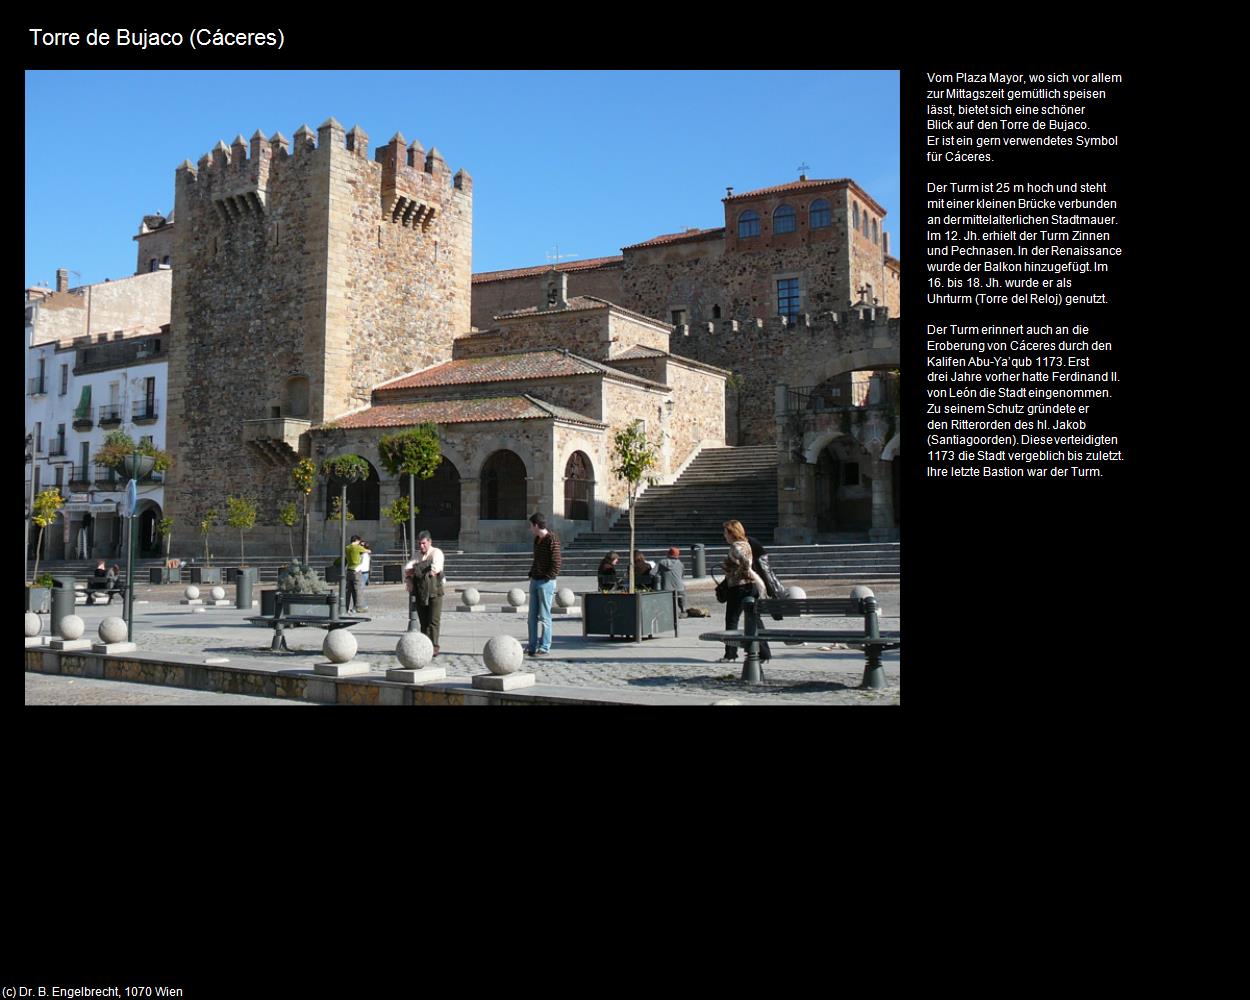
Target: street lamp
{"type": "Point", "coordinates": [136, 466]}
{"type": "Point", "coordinates": [30, 509]}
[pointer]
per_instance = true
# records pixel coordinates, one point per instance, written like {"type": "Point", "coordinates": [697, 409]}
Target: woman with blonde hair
{"type": "Point", "coordinates": [742, 580]}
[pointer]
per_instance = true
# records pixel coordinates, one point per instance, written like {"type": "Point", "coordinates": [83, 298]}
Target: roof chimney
{"type": "Point", "coordinates": [62, 279]}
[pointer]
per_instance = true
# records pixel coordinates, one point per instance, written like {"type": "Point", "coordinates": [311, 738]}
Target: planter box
{"type": "Point", "coordinates": [38, 600]}
{"type": "Point", "coordinates": [392, 573]}
{"type": "Point", "coordinates": [630, 616]}
{"type": "Point", "coordinates": [332, 574]}
{"type": "Point", "coordinates": [205, 574]}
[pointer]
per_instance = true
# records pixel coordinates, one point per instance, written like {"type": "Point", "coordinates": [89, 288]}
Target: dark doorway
{"type": "Point", "coordinates": [579, 487]}
{"type": "Point", "coordinates": [503, 488]}
{"type": "Point", "coordinates": [438, 502]}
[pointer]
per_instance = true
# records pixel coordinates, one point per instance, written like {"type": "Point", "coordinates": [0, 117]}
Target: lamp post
{"type": "Point", "coordinates": [137, 466]}
{"type": "Point", "coordinates": [30, 506]}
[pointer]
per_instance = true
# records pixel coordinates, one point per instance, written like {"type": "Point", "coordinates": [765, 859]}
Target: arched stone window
{"type": "Point", "coordinates": [296, 396]}
{"type": "Point", "coordinates": [438, 501]}
{"type": "Point", "coordinates": [748, 224]}
{"type": "Point", "coordinates": [820, 215]}
{"type": "Point", "coordinates": [783, 219]}
{"type": "Point", "coordinates": [579, 487]}
{"type": "Point", "coordinates": [152, 264]}
{"type": "Point", "coordinates": [855, 215]}
{"type": "Point", "coordinates": [362, 498]}
{"type": "Point", "coordinates": [503, 488]}
{"type": "Point", "coordinates": [715, 312]}
{"type": "Point", "coordinates": [166, 260]}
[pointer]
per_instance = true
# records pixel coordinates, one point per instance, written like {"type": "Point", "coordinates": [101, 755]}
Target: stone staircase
{"type": "Point", "coordinates": [719, 485]}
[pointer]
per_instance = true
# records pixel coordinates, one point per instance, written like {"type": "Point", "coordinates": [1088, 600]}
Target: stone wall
{"type": "Point", "coordinates": [303, 260]}
{"type": "Point", "coordinates": [582, 331]}
{"type": "Point", "coordinates": [158, 243]}
{"type": "Point", "coordinates": [492, 297]}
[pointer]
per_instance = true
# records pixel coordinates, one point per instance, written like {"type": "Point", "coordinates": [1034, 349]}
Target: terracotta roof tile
{"type": "Point", "coordinates": [638, 351]}
{"type": "Point", "coordinates": [806, 186]}
{"type": "Point", "coordinates": [527, 272]}
{"type": "Point", "coordinates": [579, 303]}
{"type": "Point", "coordinates": [682, 237]}
{"type": "Point", "coordinates": [506, 368]}
{"type": "Point", "coordinates": [461, 411]}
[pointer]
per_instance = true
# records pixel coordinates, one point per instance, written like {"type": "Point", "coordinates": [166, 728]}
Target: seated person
{"type": "Point", "coordinates": [113, 578]}
{"type": "Point", "coordinates": [100, 570]}
{"type": "Point", "coordinates": [670, 572]}
{"type": "Point", "coordinates": [607, 572]}
{"type": "Point", "coordinates": [644, 573]}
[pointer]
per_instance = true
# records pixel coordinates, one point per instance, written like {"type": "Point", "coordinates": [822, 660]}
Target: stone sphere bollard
{"type": "Point", "coordinates": [796, 593]}
{"type": "Point", "coordinates": [858, 593]}
{"type": "Point", "coordinates": [414, 651]}
{"type": "Point", "coordinates": [339, 645]}
{"type": "Point", "coordinates": [469, 597]}
{"type": "Point", "coordinates": [113, 630]}
{"type": "Point", "coordinates": [565, 598]}
{"type": "Point", "coordinates": [33, 624]}
{"type": "Point", "coordinates": [503, 655]}
{"type": "Point", "coordinates": [192, 593]}
{"type": "Point", "coordinates": [516, 597]}
{"type": "Point", "coordinates": [72, 627]}
{"type": "Point", "coordinates": [219, 593]}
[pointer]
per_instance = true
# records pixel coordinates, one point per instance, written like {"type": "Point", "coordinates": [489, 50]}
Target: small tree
{"type": "Point", "coordinates": [206, 526]}
{"type": "Point", "coordinates": [344, 469]}
{"type": "Point", "coordinates": [47, 506]}
{"type": "Point", "coordinates": [398, 514]}
{"type": "Point", "coordinates": [304, 476]}
{"type": "Point", "coordinates": [339, 511]}
{"type": "Point", "coordinates": [166, 530]}
{"type": "Point", "coordinates": [635, 456]}
{"type": "Point", "coordinates": [415, 453]}
{"type": "Point", "coordinates": [289, 516]}
{"type": "Point", "coordinates": [241, 514]}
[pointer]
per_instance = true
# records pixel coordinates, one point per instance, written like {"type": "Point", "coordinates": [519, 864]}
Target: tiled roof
{"type": "Point", "coordinates": [638, 351]}
{"type": "Point", "coordinates": [579, 303]}
{"type": "Point", "coordinates": [682, 237]}
{"type": "Point", "coordinates": [461, 411]}
{"type": "Point", "coordinates": [806, 186]}
{"type": "Point", "coordinates": [506, 368]}
{"type": "Point", "coordinates": [527, 272]}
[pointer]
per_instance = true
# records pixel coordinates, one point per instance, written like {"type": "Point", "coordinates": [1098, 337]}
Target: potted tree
{"type": "Point", "coordinates": [209, 573]}
{"type": "Point", "coordinates": [631, 614]}
{"type": "Point", "coordinates": [44, 513]}
{"type": "Point", "coordinates": [415, 453]}
{"type": "Point", "coordinates": [304, 476]}
{"type": "Point", "coordinates": [398, 514]}
{"type": "Point", "coordinates": [289, 517]}
{"type": "Point", "coordinates": [343, 469]}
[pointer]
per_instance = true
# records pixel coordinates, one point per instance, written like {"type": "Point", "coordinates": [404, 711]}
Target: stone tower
{"type": "Point", "coordinates": [307, 273]}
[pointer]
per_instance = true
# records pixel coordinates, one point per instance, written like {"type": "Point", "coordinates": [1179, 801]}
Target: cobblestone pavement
{"type": "Point", "coordinates": [52, 689]}
{"type": "Point", "coordinates": [666, 665]}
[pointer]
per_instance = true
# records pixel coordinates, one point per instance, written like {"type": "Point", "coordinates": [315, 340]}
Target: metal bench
{"type": "Point", "coordinates": [283, 618]}
{"type": "Point", "coordinates": [99, 587]}
{"type": "Point", "coordinates": [870, 639]}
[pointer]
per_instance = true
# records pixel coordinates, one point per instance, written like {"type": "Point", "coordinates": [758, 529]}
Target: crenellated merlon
{"type": "Point", "coordinates": [414, 183]}
{"type": "Point", "coordinates": [814, 323]}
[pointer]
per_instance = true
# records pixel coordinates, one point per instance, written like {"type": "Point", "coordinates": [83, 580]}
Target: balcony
{"type": "Point", "coordinates": [276, 438]}
{"type": "Point", "coordinates": [56, 448]}
{"type": "Point", "coordinates": [107, 478]}
{"type": "Point", "coordinates": [78, 476]}
{"type": "Point", "coordinates": [83, 419]}
{"type": "Point", "coordinates": [143, 411]}
{"type": "Point", "coordinates": [37, 387]}
{"type": "Point", "coordinates": [110, 415]}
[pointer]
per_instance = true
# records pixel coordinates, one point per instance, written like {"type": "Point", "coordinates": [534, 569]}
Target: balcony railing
{"type": "Point", "coordinates": [143, 410]}
{"type": "Point", "coordinates": [107, 476]}
{"type": "Point", "coordinates": [37, 387]}
{"type": "Point", "coordinates": [78, 474]}
{"type": "Point", "coordinates": [56, 448]}
{"type": "Point", "coordinates": [83, 420]}
{"type": "Point", "coordinates": [110, 415]}
{"type": "Point", "coordinates": [879, 393]}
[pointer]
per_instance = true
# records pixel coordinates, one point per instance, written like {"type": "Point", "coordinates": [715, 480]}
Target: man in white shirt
{"type": "Point", "coordinates": [424, 577]}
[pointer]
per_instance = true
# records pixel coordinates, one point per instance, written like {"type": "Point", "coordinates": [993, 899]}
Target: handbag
{"type": "Point", "coordinates": [722, 589]}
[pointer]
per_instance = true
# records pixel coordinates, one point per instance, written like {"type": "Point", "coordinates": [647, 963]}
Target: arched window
{"type": "Point", "coordinates": [152, 264]}
{"type": "Point", "coordinates": [820, 216]}
{"type": "Point", "coordinates": [855, 216]}
{"type": "Point", "coordinates": [503, 488]}
{"type": "Point", "coordinates": [362, 498]}
{"type": "Point", "coordinates": [438, 500]}
{"type": "Point", "coordinates": [715, 312]}
{"type": "Point", "coordinates": [783, 219]}
{"type": "Point", "coordinates": [166, 260]}
{"type": "Point", "coordinates": [865, 223]}
{"type": "Point", "coordinates": [874, 230]}
{"type": "Point", "coordinates": [748, 225]}
{"type": "Point", "coordinates": [579, 487]}
{"type": "Point", "coordinates": [297, 396]}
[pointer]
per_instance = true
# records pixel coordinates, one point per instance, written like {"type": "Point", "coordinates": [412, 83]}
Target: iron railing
{"type": "Point", "coordinates": [110, 413]}
{"type": "Point", "coordinates": [881, 392]}
{"type": "Point", "coordinates": [143, 409]}
{"type": "Point", "coordinates": [37, 387]}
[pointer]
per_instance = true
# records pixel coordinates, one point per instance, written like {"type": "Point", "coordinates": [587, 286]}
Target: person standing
{"type": "Point", "coordinates": [670, 571]}
{"type": "Point", "coordinates": [424, 577]}
{"type": "Point", "coordinates": [354, 552]}
{"type": "Point", "coordinates": [363, 570]}
{"type": "Point", "coordinates": [742, 580]}
{"type": "Point", "coordinates": [543, 573]}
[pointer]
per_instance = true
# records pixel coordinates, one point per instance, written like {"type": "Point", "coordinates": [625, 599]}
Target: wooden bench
{"type": "Point", "coordinates": [98, 586]}
{"type": "Point", "coordinates": [870, 638]}
{"type": "Point", "coordinates": [283, 619]}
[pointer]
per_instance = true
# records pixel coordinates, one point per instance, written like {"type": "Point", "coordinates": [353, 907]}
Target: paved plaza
{"type": "Point", "coordinates": [666, 670]}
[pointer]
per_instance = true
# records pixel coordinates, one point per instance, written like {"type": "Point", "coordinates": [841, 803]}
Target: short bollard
{"type": "Point", "coordinates": [874, 671]}
{"type": "Point", "coordinates": [751, 665]}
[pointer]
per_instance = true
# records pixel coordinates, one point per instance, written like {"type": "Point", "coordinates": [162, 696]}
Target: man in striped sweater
{"type": "Point", "coordinates": [543, 573]}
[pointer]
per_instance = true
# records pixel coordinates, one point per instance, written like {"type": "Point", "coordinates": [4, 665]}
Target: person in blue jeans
{"type": "Point", "coordinates": [543, 573]}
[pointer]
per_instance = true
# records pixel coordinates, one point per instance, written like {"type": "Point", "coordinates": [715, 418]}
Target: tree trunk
{"type": "Point", "coordinates": [38, 545]}
{"type": "Point", "coordinates": [207, 558]}
{"type": "Point", "coordinates": [342, 547]}
{"type": "Point", "coordinates": [305, 529]}
{"type": "Point", "coordinates": [242, 557]}
{"type": "Point", "coordinates": [412, 513]}
{"type": "Point", "coordinates": [631, 542]}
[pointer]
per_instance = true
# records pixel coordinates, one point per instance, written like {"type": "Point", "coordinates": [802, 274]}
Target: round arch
{"type": "Point", "coordinates": [579, 487]}
{"type": "Point", "coordinates": [503, 487]}
{"type": "Point", "coordinates": [148, 516]}
{"type": "Point", "coordinates": [362, 498]}
{"type": "Point", "coordinates": [437, 500]}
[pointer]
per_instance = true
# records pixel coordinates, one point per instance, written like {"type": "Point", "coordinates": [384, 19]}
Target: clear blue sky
{"type": "Point", "coordinates": [591, 161]}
